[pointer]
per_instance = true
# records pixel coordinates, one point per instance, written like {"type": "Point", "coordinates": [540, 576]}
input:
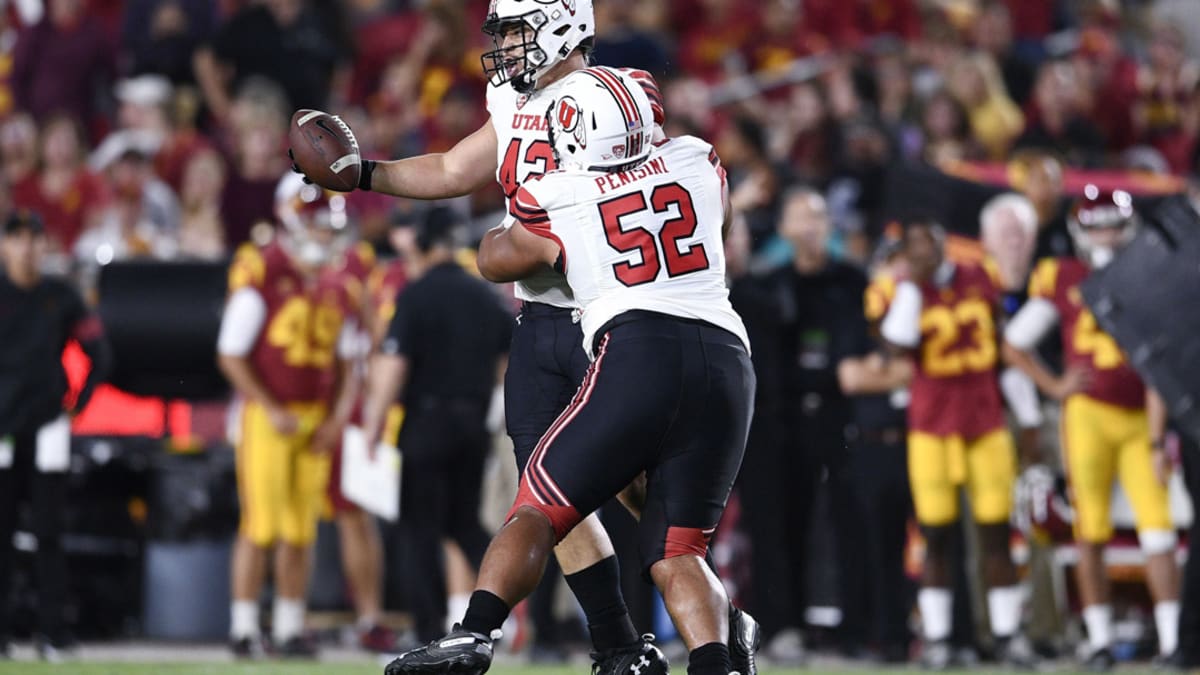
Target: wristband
{"type": "Point", "coordinates": [364, 175]}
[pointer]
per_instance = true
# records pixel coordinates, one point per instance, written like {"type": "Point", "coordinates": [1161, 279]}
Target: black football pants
{"type": "Point", "coordinates": [45, 494]}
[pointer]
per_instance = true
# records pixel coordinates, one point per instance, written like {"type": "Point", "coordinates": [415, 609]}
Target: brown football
{"type": "Point", "coordinates": [325, 149]}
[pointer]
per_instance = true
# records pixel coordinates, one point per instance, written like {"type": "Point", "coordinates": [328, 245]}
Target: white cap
{"type": "Point", "coordinates": [144, 90]}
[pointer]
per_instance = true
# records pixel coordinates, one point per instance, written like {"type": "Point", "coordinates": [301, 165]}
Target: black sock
{"type": "Point", "coordinates": [598, 589]}
{"type": "Point", "coordinates": [710, 659]}
{"type": "Point", "coordinates": [486, 613]}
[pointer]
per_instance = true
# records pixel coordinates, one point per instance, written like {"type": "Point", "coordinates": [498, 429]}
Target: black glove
{"type": "Point", "coordinates": [296, 167]}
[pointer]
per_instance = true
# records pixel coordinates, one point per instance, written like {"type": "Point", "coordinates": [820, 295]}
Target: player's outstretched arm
{"type": "Point", "coordinates": [461, 170]}
{"type": "Point", "coordinates": [514, 253]}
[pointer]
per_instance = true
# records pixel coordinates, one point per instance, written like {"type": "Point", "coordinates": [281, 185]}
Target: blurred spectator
{"type": "Point", "coordinates": [19, 148]}
{"type": "Point", "coordinates": [63, 64]}
{"type": "Point", "coordinates": [1057, 117]}
{"type": "Point", "coordinates": [201, 229]}
{"type": "Point", "coordinates": [256, 157]}
{"type": "Point", "coordinates": [9, 31]}
{"type": "Point", "coordinates": [63, 191]}
{"type": "Point", "coordinates": [848, 23]}
{"type": "Point", "coordinates": [1166, 114]}
{"type": "Point", "coordinates": [857, 189]}
{"type": "Point", "coordinates": [281, 40]}
{"type": "Point", "coordinates": [40, 316]}
{"type": "Point", "coordinates": [992, 33]}
{"type": "Point", "coordinates": [815, 300]}
{"type": "Point", "coordinates": [807, 133]}
{"type": "Point", "coordinates": [141, 119]}
{"type": "Point", "coordinates": [394, 106]}
{"type": "Point", "coordinates": [1039, 176]}
{"type": "Point", "coordinates": [1105, 69]}
{"type": "Point", "coordinates": [160, 120]}
{"type": "Point", "coordinates": [621, 44]}
{"type": "Point", "coordinates": [784, 37]}
{"type": "Point", "coordinates": [709, 49]}
{"type": "Point", "coordinates": [878, 462]}
{"type": "Point", "coordinates": [1008, 230]}
{"type": "Point", "coordinates": [142, 219]}
{"type": "Point", "coordinates": [754, 183]}
{"type": "Point", "coordinates": [690, 109]}
{"type": "Point", "coordinates": [1033, 20]}
{"type": "Point", "coordinates": [946, 131]}
{"type": "Point", "coordinates": [995, 119]}
{"type": "Point", "coordinates": [183, 139]}
{"type": "Point", "coordinates": [381, 35]}
{"type": "Point", "coordinates": [160, 36]}
{"type": "Point", "coordinates": [894, 94]}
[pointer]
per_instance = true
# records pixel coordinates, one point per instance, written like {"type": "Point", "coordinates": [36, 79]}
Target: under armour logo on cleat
{"type": "Point", "coordinates": [642, 664]}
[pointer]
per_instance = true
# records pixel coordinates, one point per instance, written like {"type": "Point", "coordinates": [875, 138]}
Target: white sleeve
{"type": "Point", "coordinates": [1031, 324]}
{"type": "Point", "coordinates": [1021, 394]}
{"type": "Point", "coordinates": [245, 315]}
{"type": "Point", "coordinates": [350, 341]}
{"type": "Point", "coordinates": [902, 324]}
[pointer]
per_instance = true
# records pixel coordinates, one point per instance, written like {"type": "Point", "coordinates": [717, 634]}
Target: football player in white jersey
{"type": "Point", "coordinates": [637, 227]}
{"type": "Point", "coordinates": [538, 43]}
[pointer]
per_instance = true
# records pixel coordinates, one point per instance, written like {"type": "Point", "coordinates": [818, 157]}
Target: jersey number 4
{"type": "Point", "coordinates": [539, 159]}
{"type": "Point", "coordinates": [639, 239]}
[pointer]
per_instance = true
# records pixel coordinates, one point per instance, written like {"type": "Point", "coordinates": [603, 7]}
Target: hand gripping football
{"type": "Point", "coordinates": [324, 149]}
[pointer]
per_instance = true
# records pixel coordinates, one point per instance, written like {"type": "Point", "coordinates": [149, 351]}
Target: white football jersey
{"type": "Point", "coordinates": [644, 239]}
{"type": "Point", "coordinates": [523, 150]}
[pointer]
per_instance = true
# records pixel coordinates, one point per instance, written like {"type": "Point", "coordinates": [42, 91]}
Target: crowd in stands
{"type": "Point", "coordinates": [156, 127]}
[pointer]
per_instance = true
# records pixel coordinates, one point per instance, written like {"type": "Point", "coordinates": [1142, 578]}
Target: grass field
{"type": "Point", "coordinates": [78, 668]}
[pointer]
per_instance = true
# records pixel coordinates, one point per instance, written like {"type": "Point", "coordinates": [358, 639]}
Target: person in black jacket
{"type": "Point", "coordinates": [442, 358]}
{"type": "Point", "coordinates": [800, 319]}
{"type": "Point", "coordinates": [38, 316]}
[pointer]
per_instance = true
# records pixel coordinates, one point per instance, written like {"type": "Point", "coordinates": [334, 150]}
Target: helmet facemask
{"type": "Point", "coordinates": [315, 222]}
{"type": "Point", "coordinates": [533, 36]}
{"type": "Point", "coordinates": [520, 62]}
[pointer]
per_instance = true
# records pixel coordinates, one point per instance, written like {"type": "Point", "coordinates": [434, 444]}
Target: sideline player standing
{"type": "Point", "coordinates": [957, 436]}
{"type": "Point", "coordinates": [538, 44]}
{"type": "Point", "coordinates": [637, 228]}
{"type": "Point", "coordinates": [1105, 430]}
{"type": "Point", "coordinates": [287, 347]}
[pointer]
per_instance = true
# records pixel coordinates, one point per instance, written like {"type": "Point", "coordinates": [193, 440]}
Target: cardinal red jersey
{"type": "Point", "coordinates": [296, 349]}
{"type": "Point", "coordinates": [1085, 345]}
{"type": "Point", "coordinates": [954, 389]}
{"type": "Point", "coordinates": [383, 287]}
{"type": "Point", "coordinates": [352, 268]}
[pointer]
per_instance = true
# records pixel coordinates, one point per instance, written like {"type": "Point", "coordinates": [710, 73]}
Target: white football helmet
{"type": "Point", "coordinates": [314, 220]}
{"type": "Point", "coordinates": [1101, 223]}
{"type": "Point", "coordinates": [601, 121]}
{"type": "Point", "coordinates": [549, 30]}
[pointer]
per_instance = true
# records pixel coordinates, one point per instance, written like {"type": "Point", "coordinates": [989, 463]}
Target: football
{"type": "Point", "coordinates": [325, 149]}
